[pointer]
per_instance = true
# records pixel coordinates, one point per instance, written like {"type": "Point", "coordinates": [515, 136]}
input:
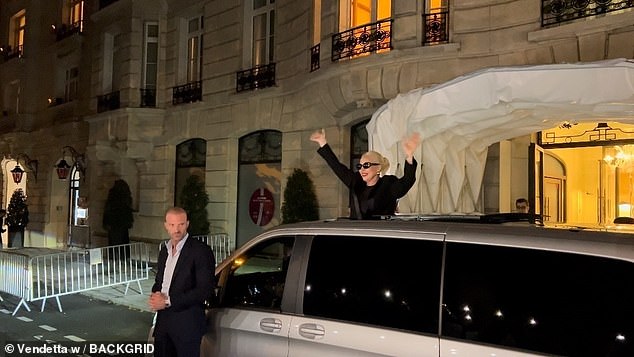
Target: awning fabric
{"type": "Point", "coordinates": [459, 119]}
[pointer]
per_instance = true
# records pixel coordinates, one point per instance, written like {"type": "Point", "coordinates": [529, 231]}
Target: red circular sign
{"type": "Point", "coordinates": [261, 206]}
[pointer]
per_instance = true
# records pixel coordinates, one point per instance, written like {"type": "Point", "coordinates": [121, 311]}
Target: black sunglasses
{"type": "Point", "coordinates": [366, 165]}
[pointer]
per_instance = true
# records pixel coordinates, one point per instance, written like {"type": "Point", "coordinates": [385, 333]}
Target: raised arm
{"type": "Point", "coordinates": [409, 146]}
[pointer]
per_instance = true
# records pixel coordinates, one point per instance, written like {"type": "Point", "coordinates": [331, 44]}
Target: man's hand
{"type": "Point", "coordinates": [157, 301]}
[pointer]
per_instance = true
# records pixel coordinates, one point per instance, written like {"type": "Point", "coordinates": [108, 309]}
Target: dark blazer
{"type": "Point", "coordinates": [192, 284]}
{"type": "Point", "coordinates": [381, 198]}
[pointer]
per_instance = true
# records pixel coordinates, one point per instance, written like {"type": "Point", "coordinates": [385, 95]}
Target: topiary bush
{"type": "Point", "coordinates": [300, 201]}
{"type": "Point", "coordinates": [194, 200]}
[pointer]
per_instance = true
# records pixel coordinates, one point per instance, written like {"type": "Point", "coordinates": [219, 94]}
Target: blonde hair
{"type": "Point", "coordinates": [378, 158]}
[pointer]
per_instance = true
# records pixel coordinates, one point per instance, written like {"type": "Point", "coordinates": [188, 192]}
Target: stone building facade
{"type": "Point", "coordinates": [131, 88]}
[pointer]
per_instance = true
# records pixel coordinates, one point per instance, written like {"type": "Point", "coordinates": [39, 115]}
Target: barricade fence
{"type": "Point", "coordinates": [52, 275]}
{"type": "Point", "coordinates": [220, 243]}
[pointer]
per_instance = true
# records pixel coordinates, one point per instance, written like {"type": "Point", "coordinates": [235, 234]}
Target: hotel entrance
{"type": "Point", "coordinates": [587, 176]}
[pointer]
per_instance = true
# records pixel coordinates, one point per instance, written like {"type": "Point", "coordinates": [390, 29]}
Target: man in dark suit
{"type": "Point", "coordinates": [184, 280]}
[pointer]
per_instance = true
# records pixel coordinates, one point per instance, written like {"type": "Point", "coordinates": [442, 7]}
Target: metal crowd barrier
{"type": "Point", "coordinates": [220, 243]}
{"type": "Point", "coordinates": [52, 275]}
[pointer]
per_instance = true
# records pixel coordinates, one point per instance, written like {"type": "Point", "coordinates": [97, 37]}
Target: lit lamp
{"type": "Point", "coordinates": [18, 172]}
{"type": "Point", "coordinates": [63, 168]}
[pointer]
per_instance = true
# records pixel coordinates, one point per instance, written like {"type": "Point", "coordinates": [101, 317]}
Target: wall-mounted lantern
{"type": "Point", "coordinates": [63, 168]}
{"type": "Point", "coordinates": [18, 172]}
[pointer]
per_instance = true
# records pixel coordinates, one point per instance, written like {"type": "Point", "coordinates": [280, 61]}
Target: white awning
{"type": "Point", "coordinates": [459, 119]}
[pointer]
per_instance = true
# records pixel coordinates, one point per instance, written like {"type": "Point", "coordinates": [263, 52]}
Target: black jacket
{"type": "Point", "coordinates": [192, 283]}
{"type": "Point", "coordinates": [368, 202]}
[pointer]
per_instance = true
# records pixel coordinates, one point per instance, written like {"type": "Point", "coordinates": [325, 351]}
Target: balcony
{"type": "Point", "coordinates": [7, 52]}
{"type": "Point", "coordinates": [314, 57]}
{"type": "Point", "coordinates": [557, 12]}
{"type": "Point", "coordinates": [256, 78]}
{"type": "Point", "coordinates": [436, 27]}
{"type": "Point", "coordinates": [362, 39]}
{"type": "Point", "coordinates": [187, 93]}
{"type": "Point", "coordinates": [148, 98]}
{"type": "Point", "coordinates": [65, 30]}
{"type": "Point", "coordinates": [108, 102]}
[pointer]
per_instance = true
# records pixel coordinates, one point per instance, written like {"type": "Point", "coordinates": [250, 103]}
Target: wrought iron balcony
{"type": "Point", "coordinates": [436, 27]}
{"type": "Point", "coordinates": [65, 30]}
{"type": "Point", "coordinates": [556, 12]}
{"type": "Point", "coordinates": [108, 102]}
{"type": "Point", "coordinates": [256, 78]}
{"type": "Point", "coordinates": [7, 52]}
{"type": "Point", "coordinates": [362, 39]}
{"type": "Point", "coordinates": [187, 93]}
{"type": "Point", "coordinates": [104, 3]}
{"type": "Point", "coordinates": [314, 57]}
{"type": "Point", "coordinates": [148, 98]}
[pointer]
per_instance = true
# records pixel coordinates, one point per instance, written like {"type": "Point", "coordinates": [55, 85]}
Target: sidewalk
{"type": "Point", "coordinates": [133, 299]}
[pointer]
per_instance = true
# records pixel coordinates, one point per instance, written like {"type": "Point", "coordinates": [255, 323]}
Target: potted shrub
{"type": "Point", "coordinates": [194, 200]}
{"type": "Point", "coordinates": [300, 201]}
{"type": "Point", "coordinates": [117, 214]}
{"type": "Point", "coordinates": [17, 218]}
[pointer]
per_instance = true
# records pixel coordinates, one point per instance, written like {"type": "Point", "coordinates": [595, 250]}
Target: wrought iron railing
{"type": "Point", "coordinates": [108, 102]}
{"type": "Point", "coordinates": [8, 52]}
{"type": "Point", "coordinates": [555, 12]}
{"type": "Point", "coordinates": [256, 78]}
{"type": "Point", "coordinates": [436, 27]}
{"type": "Point", "coordinates": [104, 3]}
{"type": "Point", "coordinates": [187, 93]}
{"type": "Point", "coordinates": [148, 98]}
{"type": "Point", "coordinates": [362, 39]}
{"type": "Point", "coordinates": [66, 30]}
{"type": "Point", "coordinates": [314, 57]}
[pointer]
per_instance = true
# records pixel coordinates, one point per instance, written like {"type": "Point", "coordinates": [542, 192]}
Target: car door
{"type": "Point", "coordinates": [369, 296]}
{"type": "Point", "coordinates": [248, 320]}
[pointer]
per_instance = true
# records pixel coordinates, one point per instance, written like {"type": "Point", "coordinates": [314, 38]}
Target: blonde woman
{"type": "Point", "coordinates": [373, 193]}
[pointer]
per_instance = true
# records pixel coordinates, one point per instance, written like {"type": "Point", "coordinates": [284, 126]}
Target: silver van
{"type": "Point", "coordinates": [425, 287]}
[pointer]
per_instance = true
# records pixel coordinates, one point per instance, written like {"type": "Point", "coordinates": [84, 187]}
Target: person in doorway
{"type": "Point", "coordinates": [521, 205]}
{"type": "Point", "coordinates": [372, 192]}
{"type": "Point", "coordinates": [184, 281]}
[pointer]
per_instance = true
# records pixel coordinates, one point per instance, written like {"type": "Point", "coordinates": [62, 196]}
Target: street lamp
{"type": "Point", "coordinates": [18, 172]}
{"type": "Point", "coordinates": [63, 168]}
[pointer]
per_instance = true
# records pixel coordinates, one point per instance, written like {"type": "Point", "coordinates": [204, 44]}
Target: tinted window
{"type": "Point", "coordinates": [387, 282]}
{"type": "Point", "coordinates": [256, 278]}
{"type": "Point", "coordinates": [549, 302]}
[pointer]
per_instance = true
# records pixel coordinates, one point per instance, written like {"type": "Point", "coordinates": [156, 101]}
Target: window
{"type": "Point", "coordinates": [150, 64]}
{"type": "Point", "coordinates": [194, 49]}
{"type": "Point", "coordinates": [76, 14]}
{"type": "Point", "coordinates": [191, 157]}
{"type": "Point", "coordinates": [395, 284]}
{"type": "Point", "coordinates": [70, 84]}
{"type": "Point", "coordinates": [549, 302]}
{"type": "Point", "coordinates": [361, 12]}
{"type": "Point", "coordinates": [256, 279]}
{"type": "Point", "coordinates": [17, 29]}
{"type": "Point", "coordinates": [263, 17]}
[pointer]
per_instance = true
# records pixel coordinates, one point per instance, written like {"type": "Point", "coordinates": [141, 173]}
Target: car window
{"type": "Point", "coordinates": [256, 278]}
{"type": "Point", "coordinates": [386, 282]}
{"type": "Point", "coordinates": [549, 302]}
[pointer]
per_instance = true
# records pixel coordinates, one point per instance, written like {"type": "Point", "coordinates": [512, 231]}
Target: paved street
{"type": "Point", "coordinates": [83, 319]}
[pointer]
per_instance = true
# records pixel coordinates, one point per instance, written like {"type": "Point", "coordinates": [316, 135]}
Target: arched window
{"type": "Point", "coordinates": [259, 182]}
{"type": "Point", "coordinates": [191, 157]}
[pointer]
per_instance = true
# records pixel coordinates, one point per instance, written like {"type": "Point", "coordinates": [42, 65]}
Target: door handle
{"type": "Point", "coordinates": [270, 324]}
{"type": "Point", "coordinates": [312, 331]}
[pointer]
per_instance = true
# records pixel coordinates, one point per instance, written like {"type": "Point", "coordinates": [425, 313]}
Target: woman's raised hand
{"type": "Point", "coordinates": [410, 144]}
{"type": "Point", "coordinates": [319, 136]}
